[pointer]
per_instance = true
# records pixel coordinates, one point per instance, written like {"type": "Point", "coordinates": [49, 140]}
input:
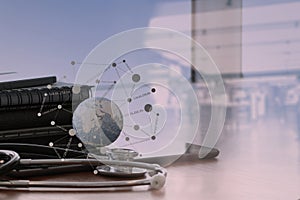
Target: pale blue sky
{"type": "Point", "coordinates": [38, 38]}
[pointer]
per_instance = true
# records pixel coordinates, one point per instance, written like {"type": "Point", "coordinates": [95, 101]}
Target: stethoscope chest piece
{"type": "Point", "coordinates": [121, 154]}
{"type": "Point", "coordinates": [114, 171]}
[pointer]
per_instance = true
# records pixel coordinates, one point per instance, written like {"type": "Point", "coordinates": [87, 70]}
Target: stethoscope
{"type": "Point", "coordinates": [141, 174]}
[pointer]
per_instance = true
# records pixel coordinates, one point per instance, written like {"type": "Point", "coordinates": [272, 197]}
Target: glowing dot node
{"type": "Point", "coordinates": [49, 86]}
{"type": "Point", "coordinates": [59, 106]}
{"type": "Point", "coordinates": [72, 132]}
{"type": "Point", "coordinates": [45, 94]}
{"type": "Point", "coordinates": [79, 145]}
{"type": "Point", "coordinates": [39, 114]}
{"type": "Point", "coordinates": [148, 107]}
{"type": "Point", "coordinates": [136, 127]}
{"type": "Point", "coordinates": [136, 78]}
{"type": "Point", "coordinates": [52, 123]}
{"type": "Point", "coordinates": [51, 144]}
{"type": "Point", "coordinates": [95, 172]}
{"type": "Point", "coordinates": [76, 89]}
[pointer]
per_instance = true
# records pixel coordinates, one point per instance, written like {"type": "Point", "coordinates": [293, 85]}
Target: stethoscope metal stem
{"type": "Point", "coordinates": [59, 184]}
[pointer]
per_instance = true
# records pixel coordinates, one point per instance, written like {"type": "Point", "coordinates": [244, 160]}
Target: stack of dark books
{"type": "Point", "coordinates": [38, 111]}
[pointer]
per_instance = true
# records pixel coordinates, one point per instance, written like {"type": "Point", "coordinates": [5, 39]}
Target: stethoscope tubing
{"type": "Point", "coordinates": [59, 185]}
{"type": "Point", "coordinates": [155, 181]}
{"type": "Point", "coordinates": [10, 161]}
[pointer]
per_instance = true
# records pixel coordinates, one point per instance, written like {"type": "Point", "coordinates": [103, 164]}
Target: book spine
{"type": "Point", "coordinates": [30, 118]}
{"type": "Point", "coordinates": [18, 134]}
{"type": "Point", "coordinates": [31, 97]}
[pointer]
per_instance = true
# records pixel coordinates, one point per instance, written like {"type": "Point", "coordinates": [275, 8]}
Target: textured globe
{"type": "Point", "coordinates": [98, 122]}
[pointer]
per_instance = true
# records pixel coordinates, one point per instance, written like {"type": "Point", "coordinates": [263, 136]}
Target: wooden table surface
{"type": "Point", "coordinates": [258, 160]}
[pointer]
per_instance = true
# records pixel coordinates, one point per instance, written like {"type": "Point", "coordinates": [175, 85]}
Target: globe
{"type": "Point", "coordinates": [98, 123]}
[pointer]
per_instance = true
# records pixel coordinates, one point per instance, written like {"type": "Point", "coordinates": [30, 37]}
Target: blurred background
{"type": "Point", "coordinates": [255, 44]}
